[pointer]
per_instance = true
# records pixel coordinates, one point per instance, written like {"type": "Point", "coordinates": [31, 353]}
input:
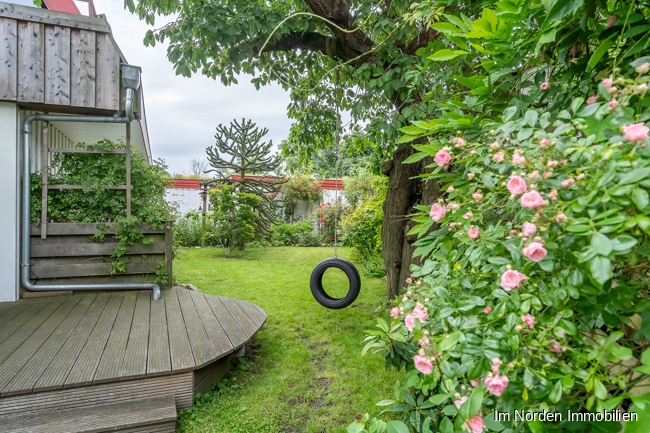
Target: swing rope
{"type": "Point", "coordinates": [337, 138]}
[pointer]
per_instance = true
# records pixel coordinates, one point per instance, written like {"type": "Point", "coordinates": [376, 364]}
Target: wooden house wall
{"type": "Point", "coordinates": [53, 59]}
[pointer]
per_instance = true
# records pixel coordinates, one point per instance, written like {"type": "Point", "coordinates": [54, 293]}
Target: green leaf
{"type": "Point", "coordinates": [449, 343]}
{"type": "Point", "coordinates": [397, 427]}
{"type": "Point", "coordinates": [509, 113]}
{"type": "Point", "coordinates": [563, 8]}
{"type": "Point", "coordinates": [600, 52]}
{"type": "Point", "coordinates": [446, 426]}
{"type": "Point", "coordinates": [531, 117]}
{"type": "Point", "coordinates": [634, 176]}
{"type": "Point", "coordinates": [556, 392]}
{"type": "Point", "coordinates": [438, 399]}
{"type": "Point", "coordinates": [601, 244]}
{"type": "Point", "coordinates": [498, 260]}
{"type": "Point", "coordinates": [599, 389]}
{"type": "Point", "coordinates": [447, 29]}
{"type": "Point", "coordinates": [418, 156]}
{"type": "Point", "coordinates": [447, 54]}
{"type": "Point", "coordinates": [640, 198]}
{"type": "Point", "coordinates": [601, 269]}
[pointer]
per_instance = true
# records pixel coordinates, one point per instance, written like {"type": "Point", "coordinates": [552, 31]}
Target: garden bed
{"type": "Point", "coordinates": [72, 254]}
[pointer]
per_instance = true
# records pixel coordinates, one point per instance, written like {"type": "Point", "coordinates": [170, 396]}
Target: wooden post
{"type": "Point", "coordinates": [44, 172]}
{"type": "Point", "coordinates": [168, 252]}
{"type": "Point", "coordinates": [128, 169]}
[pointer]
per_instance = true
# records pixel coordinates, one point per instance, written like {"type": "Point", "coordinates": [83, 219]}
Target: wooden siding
{"type": "Point", "coordinates": [58, 59]}
{"type": "Point", "coordinates": [69, 256]}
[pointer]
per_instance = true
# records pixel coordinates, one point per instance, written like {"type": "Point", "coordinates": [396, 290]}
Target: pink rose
{"type": "Point", "coordinates": [567, 182]}
{"type": "Point", "coordinates": [442, 158]}
{"type": "Point", "coordinates": [458, 403]}
{"type": "Point", "coordinates": [477, 196]}
{"type": "Point", "coordinates": [517, 185]}
{"type": "Point", "coordinates": [635, 132]}
{"type": "Point", "coordinates": [473, 233]}
{"type": "Point", "coordinates": [511, 279]}
{"type": "Point", "coordinates": [607, 82]}
{"type": "Point", "coordinates": [592, 100]}
{"type": "Point", "coordinates": [518, 158]}
{"type": "Point", "coordinates": [409, 322]}
{"type": "Point", "coordinates": [487, 310]}
{"type": "Point", "coordinates": [423, 364]}
{"type": "Point", "coordinates": [496, 363]}
{"type": "Point", "coordinates": [496, 384]}
{"type": "Point", "coordinates": [543, 142]}
{"type": "Point", "coordinates": [613, 103]}
{"type": "Point", "coordinates": [532, 200]}
{"type": "Point", "coordinates": [556, 347]}
{"type": "Point", "coordinates": [437, 212]}
{"type": "Point", "coordinates": [409, 280]}
{"type": "Point", "coordinates": [476, 424]}
{"type": "Point", "coordinates": [535, 251]}
{"type": "Point", "coordinates": [534, 174]}
{"type": "Point", "coordinates": [394, 312]}
{"type": "Point", "coordinates": [468, 215]}
{"type": "Point", "coordinates": [528, 229]}
{"type": "Point", "coordinates": [528, 320]}
{"type": "Point", "coordinates": [497, 157]}
{"type": "Point", "coordinates": [552, 163]}
{"type": "Point", "coordinates": [560, 218]}
{"type": "Point", "coordinates": [642, 69]}
{"type": "Point", "coordinates": [420, 312]}
{"type": "Point", "coordinates": [610, 21]}
{"type": "Point", "coordinates": [544, 85]}
{"type": "Point", "coordinates": [470, 176]}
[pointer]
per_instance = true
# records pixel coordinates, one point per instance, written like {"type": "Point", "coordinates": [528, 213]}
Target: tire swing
{"type": "Point", "coordinates": [316, 280]}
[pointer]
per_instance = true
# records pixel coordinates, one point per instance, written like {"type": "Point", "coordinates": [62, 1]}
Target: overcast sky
{"type": "Point", "coordinates": [182, 113]}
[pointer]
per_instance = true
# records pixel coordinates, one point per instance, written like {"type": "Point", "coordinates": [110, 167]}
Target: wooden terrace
{"type": "Point", "coordinates": [115, 361]}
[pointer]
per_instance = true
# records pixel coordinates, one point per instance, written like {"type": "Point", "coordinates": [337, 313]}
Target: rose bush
{"type": "Point", "coordinates": [533, 296]}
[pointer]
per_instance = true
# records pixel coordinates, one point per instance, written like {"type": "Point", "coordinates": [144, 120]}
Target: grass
{"type": "Point", "coordinates": [307, 374]}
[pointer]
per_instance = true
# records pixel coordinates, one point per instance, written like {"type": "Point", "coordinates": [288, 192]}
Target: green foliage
{"type": "Point", "coordinates": [536, 267]}
{"type": "Point", "coordinates": [234, 216]}
{"type": "Point", "coordinates": [361, 228]}
{"type": "Point", "coordinates": [296, 189]}
{"type": "Point", "coordinates": [94, 203]}
{"type": "Point", "coordinates": [300, 234]}
{"type": "Point", "coordinates": [187, 231]}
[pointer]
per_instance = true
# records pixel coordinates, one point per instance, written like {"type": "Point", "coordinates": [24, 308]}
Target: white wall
{"type": "Point", "coordinates": [9, 186]}
{"type": "Point", "coordinates": [186, 199]}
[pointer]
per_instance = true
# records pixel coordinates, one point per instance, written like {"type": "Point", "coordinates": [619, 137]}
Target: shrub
{"type": "Point", "coordinates": [535, 274]}
{"type": "Point", "coordinates": [327, 216]}
{"type": "Point", "coordinates": [361, 230]}
{"type": "Point", "coordinates": [234, 216]}
{"type": "Point", "coordinates": [296, 189]}
{"type": "Point", "coordinates": [299, 234]}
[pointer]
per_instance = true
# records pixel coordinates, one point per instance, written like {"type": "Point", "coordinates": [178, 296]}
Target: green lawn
{"type": "Point", "coordinates": [307, 374]}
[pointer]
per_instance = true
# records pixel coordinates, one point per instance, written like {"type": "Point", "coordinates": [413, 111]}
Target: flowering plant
{"type": "Point", "coordinates": [326, 216]}
{"type": "Point", "coordinates": [301, 188]}
{"type": "Point", "coordinates": [532, 297]}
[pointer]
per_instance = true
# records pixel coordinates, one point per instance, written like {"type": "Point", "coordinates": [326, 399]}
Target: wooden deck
{"type": "Point", "coordinates": [60, 346]}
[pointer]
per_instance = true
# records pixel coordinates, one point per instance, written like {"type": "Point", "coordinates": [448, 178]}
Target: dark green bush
{"type": "Point", "coordinates": [300, 234]}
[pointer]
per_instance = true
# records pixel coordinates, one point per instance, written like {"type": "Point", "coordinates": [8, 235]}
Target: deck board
{"type": "Point", "coordinates": [179, 343]}
{"type": "Point", "coordinates": [212, 326]}
{"type": "Point", "coordinates": [32, 340]}
{"type": "Point", "coordinates": [60, 368]}
{"type": "Point", "coordinates": [113, 357]}
{"type": "Point", "coordinates": [158, 356]}
{"type": "Point", "coordinates": [201, 345]}
{"type": "Point", "coordinates": [88, 339]}
{"type": "Point", "coordinates": [135, 356]}
{"type": "Point", "coordinates": [84, 368]}
{"type": "Point", "coordinates": [49, 351]}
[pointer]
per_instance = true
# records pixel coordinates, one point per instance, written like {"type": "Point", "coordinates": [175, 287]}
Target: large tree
{"type": "Point", "coordinates": [333, 55]}
{"type": "Point", "coordinates": [239, 158]}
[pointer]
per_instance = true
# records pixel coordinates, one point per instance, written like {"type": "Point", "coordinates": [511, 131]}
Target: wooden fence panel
{"type": "Point", "coordinates": [69, 255]}
{"type": "Point", "coordinates": [9, 58]}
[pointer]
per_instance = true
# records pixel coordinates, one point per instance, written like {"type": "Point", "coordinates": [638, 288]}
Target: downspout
{"type": "Point", "coordinates": [26, 192]}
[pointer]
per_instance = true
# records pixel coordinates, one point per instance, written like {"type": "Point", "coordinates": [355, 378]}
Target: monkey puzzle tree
{"type": "Point", "coordinates": [239, 153]}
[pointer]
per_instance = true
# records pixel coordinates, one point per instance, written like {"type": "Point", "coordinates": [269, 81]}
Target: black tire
{"type": "Point", "coordinates": [316, 283]}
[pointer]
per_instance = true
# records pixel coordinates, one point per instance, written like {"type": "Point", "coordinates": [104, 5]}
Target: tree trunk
{"type": "Point", "coordinates": [405, 190]}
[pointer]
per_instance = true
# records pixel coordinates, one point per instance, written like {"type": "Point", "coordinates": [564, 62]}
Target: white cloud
{"type": "Point", "coordinates": [182, 113]}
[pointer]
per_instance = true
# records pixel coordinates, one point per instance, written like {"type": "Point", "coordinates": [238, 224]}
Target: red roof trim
{"type": "Point", "coordinates": [324, 184]}
{"type": "Point", "coordinates": [62, 6]}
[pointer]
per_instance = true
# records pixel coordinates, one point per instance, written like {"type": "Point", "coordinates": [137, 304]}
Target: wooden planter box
{"type": "Point", "coordinates": [68, 255]}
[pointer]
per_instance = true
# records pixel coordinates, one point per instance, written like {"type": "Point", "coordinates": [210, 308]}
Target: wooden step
{"type": "Point", "coordinates": [154, 415]}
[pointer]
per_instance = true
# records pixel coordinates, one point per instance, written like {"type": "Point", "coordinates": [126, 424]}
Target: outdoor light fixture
{"type": "Point", "coordinates": [131, 76]}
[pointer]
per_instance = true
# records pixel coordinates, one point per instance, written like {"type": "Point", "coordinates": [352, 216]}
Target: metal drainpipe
{"type": "Point", "coordinates": [26, 254]}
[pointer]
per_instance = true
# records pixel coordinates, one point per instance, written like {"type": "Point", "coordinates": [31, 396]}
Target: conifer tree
{"type": "Point", "coordinates": [241, 159]}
